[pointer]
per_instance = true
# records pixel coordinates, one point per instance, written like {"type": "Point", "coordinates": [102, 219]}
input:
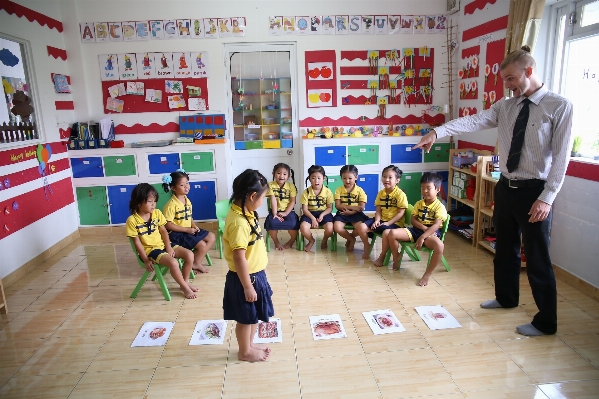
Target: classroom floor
{"type": "Point", "coordinates": [71, 324]}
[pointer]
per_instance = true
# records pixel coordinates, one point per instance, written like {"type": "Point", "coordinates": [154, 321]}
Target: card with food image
{"type": "Point", "coordinates": [437, 317]}
{"type": "Point", "coordinates": [209, 332]}
{"type": "Point", "coordinates": [269, 332]}
{"type": "Point", "coordinates": [383, 322]}
{"type": "Point", "coordinates": [153, 333]}
{"type": "Point", "coordinates": [327, 326]}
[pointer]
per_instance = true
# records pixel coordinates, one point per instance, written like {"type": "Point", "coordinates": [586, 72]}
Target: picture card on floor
{"type": "Point", "coordinates": [153, 333]}
{"type": "Point", "coordinates": [383, 322]}
{"type": "Point", "coordinates": [269, 332]}
{"type": "Point", "coordinates": [209, 332]}
{"type": "Point", "coordinates": [437, 317]}
{"type": "Point", "coordinates": [327, 326]}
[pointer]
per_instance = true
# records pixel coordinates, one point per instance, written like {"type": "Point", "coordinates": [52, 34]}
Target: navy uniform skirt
{"type": "Point", "coordinates": [290, 222]}
{"type": "Point", "coordinates": [328, 218]}
{"type": "Point", "coordinates": [235, 306]}
{"type": "Point", "coordinates": [356, 217]}
{"type": "Point", "coordinates": [381, 228]}
{"type": "Point", "coordinates": [187, 240]}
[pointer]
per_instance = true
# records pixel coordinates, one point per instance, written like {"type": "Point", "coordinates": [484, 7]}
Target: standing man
{"type": "Point", "coordinates": [534, 148]}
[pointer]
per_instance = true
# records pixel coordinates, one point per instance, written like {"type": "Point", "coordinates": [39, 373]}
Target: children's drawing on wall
{"type": "Point", "coordinates": [238, 26]}
{"type": "Point", "coordinates": [170, 29]}
{"type": "Point", "coordinates": [302, 25]}
{"type": "Point", "coordinates": [197, 28]}
{"type": "Point", "coordinates": [135, 88]}
{"type": "Point", "coordinates": [199, 64]}
{"type": "Point", "coordinates": [115, 32]}
{"type": "Point", "coordinates": [142, 30]}
{"type": "Point", "coordinates": [316, 24]}
{"type": "Point", "coordinates": [154, 96]}
{"type": "Point", "coordinates": [210, 30]}
{"type": "Point", "coordinates": [381, 25]}
{"type": "Point", "coordinates": [173, 86]}
{"type": "Point", "coordinates": [182, 65]}
{"type": "Point", "coordinates": [407, 24]}
{"type": "Point", "coordinates": [176, 102]}
{"type": "Point", "coordinates": [109, 68]}
{"type": "Point", "coordinates": [164, 65]}
{"type": "Point", "coordinates": [196, 104]}
{"type": "Point", "coordinates": [184, 28]}
{"type": "Point", "coordinates": [145, 66]}
{"type": "Point", "coordinates": [441, 23]}
{"type": "Point", "coordinates": [431, 23]}
{"type": "Point", "coordinates": [341, 24]}
{"type": "Point", "coordinates": [224, 27]}
{"type": "Point", "coordinates": [275, 26]}
{"type": "Point", "coordinates": [114, 104]}
{"type": "Point", "coordinates": [394, 23]}
{"type": "Point", "coordinates": [328, 24]}
{"type": "Point", "coordinates": [367, 24]}
{"type": "Point", "coordinates": [289, 25]}
{"type": "Point", "coordinates": [87, 32]}
{"type": "Point", "coordinates": [419, 21]}
{"type": "Point", "coordinates": [101, 31]}
{"type": "Point", "coordinates": [117, 90]}
{"type": "Point", "coordinates": [355, 24]}
{"type": "Point", "coordinates": [127, 66]}
{"type": "Point", "coordinates": [129, 31]}
{"type": "Point", "coordinates": [157, 29]}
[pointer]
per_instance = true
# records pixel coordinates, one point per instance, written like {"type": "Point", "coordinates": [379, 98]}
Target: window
{"type": "Point", "coordinates": [17, 117]}
{"type": "Point", "coordinates": [576, 69]}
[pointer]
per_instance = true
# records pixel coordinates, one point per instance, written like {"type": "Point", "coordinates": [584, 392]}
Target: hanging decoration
{"type": "Point", "coordinates": [383, 78]}
{"type": "Point", "coordinates": [373, 62]}
{"type": "Point", "coordinates": [382, 103]}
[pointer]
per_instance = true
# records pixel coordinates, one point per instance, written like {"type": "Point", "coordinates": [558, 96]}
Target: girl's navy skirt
{"type": "Point", "coordinates": [356, 217]}
{"type": "Point", "coordinates": [187, 240]}
{"type": "Point", "coordinates": [328, 218]}
{"type": "Point", "coordinates": [237, 308]}
{"type": "Point", "coordinates": [290, 222]}
{"type": "Point", "coordinates": [381, 228]}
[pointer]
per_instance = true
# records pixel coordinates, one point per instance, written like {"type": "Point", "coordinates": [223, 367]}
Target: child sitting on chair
{"type": "Point", "coordinates": [282, 195]}
{"type": "Point", "coordinates": [428, 215]}
{"type": "Point", "coordinates": [145, 226]}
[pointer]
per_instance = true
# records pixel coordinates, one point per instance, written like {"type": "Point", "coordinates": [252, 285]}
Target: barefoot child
{"type": "Point", "coordinates": [317, 205]}
{"type": "Point", "coordinates": [247, 296]}
{"type": "Point", "coordinates": [428, 215]}
{"type": "Point", "coordinates": [350, 201]}
{"type": "Point", "coordinates": [179, 221]}
{"type": "Point", "coordinates": [146, 227]}
{"type": "Point", "coordinates": [282, 195]}
{"type": "Point", "coordinates": [391, 204]}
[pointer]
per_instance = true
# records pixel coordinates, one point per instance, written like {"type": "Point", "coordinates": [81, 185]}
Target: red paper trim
{"type": "Point", "coordinates": [34, 206]}
{"type": "Point", "coordinates": [151, 128]}
{"type": "Point", "coordinates": [67, 76]}
{"type": "Point", "coordinates": [14, 156]}
{"type": "Point", "coordinates": [488, 27]}
{"type": "Point", "coordinates": [57, 53]}
{"type": "Point", "coordinates": [20, 11]}
{"type": "Point", "coordinates": [436, 120]}
{"type": "Point", "coordinates": [360, 54]}
{"type": "Point", "coordinates": [364, 70]}
{"type": "Point", "coordinates": [462, 144]}
{"type": "Point", "coordinates": [470, 51]}
{"type": "Point", "coordinates": [63, 105]}
{"type": "Point", "coordinates": [583, 170]}
{"type": "Point", "coordinates": [476, 4]}
{"type": "Point", "coordinates": [495, 53]}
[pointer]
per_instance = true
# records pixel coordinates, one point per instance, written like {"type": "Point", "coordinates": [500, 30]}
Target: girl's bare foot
{"type": "Point", "coordinates": [349, 245]}
{"type": "Point", "coordinates": [378, 262]}
{"type": "Point", "coordinates": [189, 294]}
{"type": "Point", "coordinates": [324, 244]}
{"type": "Point", "coordinates": [309, 245]}
{"type": "Point", "coordinates": [278, 246]}
{"type": "Point", "coordinates": [254, 355]}
{"type": "Point", "coordinates": [200, 268]}
{"type": "Point", "coordinates": [366, 254]}
{"type": "Point", "coordinates": [260, 347]}
{"type": "Point", "coordinates": [193, 288]}
{"type": "Point", "coordinates": [395, 265]}
{"type": "Point", "coordinates": [424, 280]}
{"type": "Point", "coordinates": [288, 244]}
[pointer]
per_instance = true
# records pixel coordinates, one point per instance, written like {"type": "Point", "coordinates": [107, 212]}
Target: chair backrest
{"type": "Point", "coordinates": [222, 208]}
{"type": "Point", "coordinates": [408, 215]}
{"type": "Point", "coordinates": [444, 227]}
{"type": "Point", "coordinates": [136, 254]}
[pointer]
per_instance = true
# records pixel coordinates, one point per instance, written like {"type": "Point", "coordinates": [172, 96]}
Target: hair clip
{"type": "Point", "coordinates": [167, 179]}
{"type": "Point", "coordinates": [180, 170]}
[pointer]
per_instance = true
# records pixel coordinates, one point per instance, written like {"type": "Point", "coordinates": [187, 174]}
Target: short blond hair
{"type": "Point", "coordinates": [521, 57]}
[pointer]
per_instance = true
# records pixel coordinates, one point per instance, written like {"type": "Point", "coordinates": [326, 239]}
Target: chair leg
{"type": "Point", "coordinates": [209, 260]}
{"type": "Point", "coordinates": [162, 283]}
{"type": "Point", "coordinates": [413, 254]}
{"type": "Point", "coordinates": [403, 249]}
{"type": "Point", "coordinates": [334, 242]}
{"type": "Point", "coordinates": [372, 240]}
{"type": "Point", "coordinates": [387, 258]}
{"type": "Point", "coordinates": [266, 238]}
{"type": "Point", "coordinates": [219, 241]}
{"type": "Point", "coordinates": [140, 284]}
{"type": "Point", "coordinates": [299, 241]}
{"type": "Point", "coordinates": [445, 263]}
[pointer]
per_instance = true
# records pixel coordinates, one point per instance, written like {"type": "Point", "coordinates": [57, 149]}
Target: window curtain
{"type": "Point", "coordinates": [523, 24]}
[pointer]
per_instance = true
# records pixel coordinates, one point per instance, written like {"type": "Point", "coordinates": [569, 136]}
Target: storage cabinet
{"type": "Point", "coordinates": [119, 165]}
{"type": "Point", "coordinates": [87, 167]}
{"type": "Point", "coordinates": [93, 205]}
{"type": "Point", "coordinates": [410, 184]}
{"type": "Point", "coordinates": [197, 162]}
{"type": "Point", "coordinates": [403, 153]}
{"type": "Point", "coordinates": [368, 182]}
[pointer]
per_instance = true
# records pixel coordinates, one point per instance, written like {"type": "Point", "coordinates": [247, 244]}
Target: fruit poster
{"type": "Point", "coordinates": [269, 332]}
{"type": "Point", "coordinates": [321, 78]}
{"type": "Point", "coordinates": [327, 327]}
{"type": "Point", "coordinates": [209, 332]}
{"type": "Point", "coordinates": [383, 322]}
{"type": "Point", "coordinates": [153, 333]}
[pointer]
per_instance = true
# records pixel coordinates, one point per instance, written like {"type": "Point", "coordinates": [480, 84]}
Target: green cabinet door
{"type": "Point", "coordinates": [439, 153]}
{"type": "Point", "coordinates": [363, 154]}
{"type": "Point", "coordinates": [198, 161]}
{"type": "Point", "coordinates": [410, 184]}
{"type": "Point", "coordinates": [334, 182]}
{"type": "Point", "coordinates": [162, 196]}
{"type": "Point", "coordinates": [93, 205]}
{"type": "Point", "coordinates": [120, 165]}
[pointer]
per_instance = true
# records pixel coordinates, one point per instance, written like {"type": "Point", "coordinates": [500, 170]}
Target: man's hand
{"type": "Point", "coordinates": [427, 141]}
{"type": "Point", "coordinates": [539, 211]}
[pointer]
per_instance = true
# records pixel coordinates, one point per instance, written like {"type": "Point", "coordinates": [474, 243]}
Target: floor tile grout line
{"type": "Point", "coordinates": [222, 390]}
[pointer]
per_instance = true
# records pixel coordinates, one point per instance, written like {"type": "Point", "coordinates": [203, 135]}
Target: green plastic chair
{"type": "Point", "coordinates": [407, 246]}
{"type": "Point", "coordinates": [299, 239]}
{"type": "Point", "coordinates": [222, 208]}
{"type": "Point", "coordinates": [412, 254]}
{"type": "Point", "coordinates": [159, 273]}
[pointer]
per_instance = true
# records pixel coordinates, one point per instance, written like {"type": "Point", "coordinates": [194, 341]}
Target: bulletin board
{"type": "Point", "coordinates": [137, 103]}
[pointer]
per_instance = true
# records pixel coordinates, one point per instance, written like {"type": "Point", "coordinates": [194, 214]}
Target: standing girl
{"type": "Point", "coordinates": [179, 221]}
{"type": "Point", "coordinates": [145, 227]}
{"type": "Point", "coordinates": [391, 204]}
{"type": "Point", "coordinates": [350, 201]}
{"type": "Point", "coordinates": [317, 205]}
{"type": "Point", "coordinates": [282, 200]}
{"type": "Point", "coordinates": [247, 296]}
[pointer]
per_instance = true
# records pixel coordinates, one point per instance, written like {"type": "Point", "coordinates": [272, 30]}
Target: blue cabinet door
{"type": "Point", "coordinates": [118, 202]}
{"type": "Point", "coordinates": [161, 164]}
{"type": "Point", "coordinates": [370, 184]}
{"type": "Point", "coordinates": [403, 153]}
{"type": "Point", "coordinates": [202, 195]}
{"type": "Point", "coordinates": [87, 167]}
{"type": "Point", "coordinates": [330, 156]}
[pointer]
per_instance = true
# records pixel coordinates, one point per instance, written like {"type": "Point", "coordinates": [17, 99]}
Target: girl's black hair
{"type": "Point", "coordinates": [432, 177]}
{"type": "Point", "coordinates": [140, 194]}
{"type": "Point", "coordinates": [175, 177]}
{"type": "Point", "coordinates": [317, 169]}
{"type": "Point", "coordinates": [287, 168]}
{"type": "Point", "coordinates": [398, 172]}
{"type": "Point", "coordinates": [349, 168]}
{"type": "Point", "coordinates": [248, 182]}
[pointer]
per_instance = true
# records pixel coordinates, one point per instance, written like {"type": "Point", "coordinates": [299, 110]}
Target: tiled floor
{"type": "Point", "coordinates": [71, 324]}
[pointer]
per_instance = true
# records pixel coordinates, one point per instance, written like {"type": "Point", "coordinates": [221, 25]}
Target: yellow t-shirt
{"type": "Point", "coordinates": [352, 198]}
{"type": "Point", "coordinates": [391, 204]}
{"type": "Point", "coordinates": [177, 212]}
{"type": "Point", "coordinates": [317, 203]}
{"type": "Point", "coordinates": [238, 235]}
{"type": "Point", "coordinates": [427, 214]}
{"type": "Point", "coordinates": [147, 231]}
{"type": "Point", "coordinates": [283, 194]}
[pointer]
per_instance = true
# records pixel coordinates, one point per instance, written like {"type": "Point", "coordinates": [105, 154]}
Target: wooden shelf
{"type": "Point", "coordinates": [487, 211]}
{"type": "Point", "coordinates": [485, 244]}
{"type": "Point", "coordinates": [468, 171]}
{"type": "Point", "coordinates": [465, 201]}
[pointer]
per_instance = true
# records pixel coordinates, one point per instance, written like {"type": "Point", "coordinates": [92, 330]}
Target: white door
{"type": "Point", "coordinates": [267, 75]}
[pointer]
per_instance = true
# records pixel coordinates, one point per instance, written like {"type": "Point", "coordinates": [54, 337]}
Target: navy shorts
{"type": "Point", "coordinates": [356, 217]}
{"type": "Point", "coordinates": [381, 228]}
{"type": "Point", "coordinates": [328, 218]}
{"type": "Point", "coordinates": [235, 306]}
{"type": "Point", "coordinates": [415, 233]}
{"type": "Point", "coordinates": [290, 222]}
{"type": "Point", "coordinates": [156, 254]}
{"type": "Point", "coordinates": [187, 240]}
